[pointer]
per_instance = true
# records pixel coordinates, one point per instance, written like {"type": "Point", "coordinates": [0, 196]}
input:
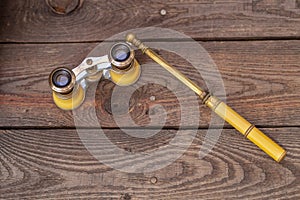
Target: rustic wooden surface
{"type": "Point", "coordinates": [256, 47]}
{"type": "Point", "coordinates": [206, 19]}
{"type": "Point", "coordinates": [55, 164]}
{"type": "Point", "coordinates": [256, 74]}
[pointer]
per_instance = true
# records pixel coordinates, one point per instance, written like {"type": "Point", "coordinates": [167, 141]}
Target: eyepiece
{"type": "Point", "coordinates": [120, 52]}
{"type": "Point", "coordinates": [121, 55]}
{"type": "Point", "coordinates": [62, 80]}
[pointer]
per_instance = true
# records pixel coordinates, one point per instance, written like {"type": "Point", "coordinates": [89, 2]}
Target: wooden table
{"type": "Point", "coordinates": [256, 47]}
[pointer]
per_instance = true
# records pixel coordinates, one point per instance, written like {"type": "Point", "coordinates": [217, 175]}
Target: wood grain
{"type": "Point", "coordinates": [40, 164]}
{"type": "Point", "coordinates": [255, 45]}
{"type": "Point", "coordinates": [24, 21]}
{"type": "Point", "coordinates": [261, 80]}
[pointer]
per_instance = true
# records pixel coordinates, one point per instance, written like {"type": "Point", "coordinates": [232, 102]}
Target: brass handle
{"type": "Point", "coordinates": [219, 107]}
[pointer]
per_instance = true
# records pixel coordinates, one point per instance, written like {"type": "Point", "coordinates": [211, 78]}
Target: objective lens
{"type": "Point", "coordinates": [121, 56]}
{"type": "Point", "coordinates": [61, 78]}
{"type": "Point", "coordinates": [120, 52]}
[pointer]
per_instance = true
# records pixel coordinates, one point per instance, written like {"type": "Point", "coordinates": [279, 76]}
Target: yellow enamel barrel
{"type": "Point", "coordinates": [246, 128]}
{"type": "Point", "coordinates": [69, 103]}
{"type": "Point", "coordinates": [126, 77]}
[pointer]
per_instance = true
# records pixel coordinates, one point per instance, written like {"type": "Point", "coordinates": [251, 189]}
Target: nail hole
{"type": "Point", "coordinates": [152, 98]}
{"type": "Point", "coordinates": [153, 180]}
{"type": "Point", "coordinates": [163, 12]}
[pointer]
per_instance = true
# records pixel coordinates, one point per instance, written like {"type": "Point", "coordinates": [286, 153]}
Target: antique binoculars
{"type": "Point", "coordinates": [122, 68]}
{"type": "Point", "coordinates": [69, 86]}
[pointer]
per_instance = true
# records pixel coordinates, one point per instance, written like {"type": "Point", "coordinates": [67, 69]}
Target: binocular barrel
{"type": "Point", "coordinates": [224, 111]}
{"type": "Point", "coordinates": [125, 68]}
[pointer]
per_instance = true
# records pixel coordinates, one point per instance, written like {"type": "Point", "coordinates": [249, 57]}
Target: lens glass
{"type": "Point", "coordinates": [61, 78]}
{"type": "Point", "coordinates": [120, 53]}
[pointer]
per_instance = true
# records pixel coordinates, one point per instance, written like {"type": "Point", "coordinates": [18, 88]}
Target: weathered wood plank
{"type": "Point", "coordinates": [24, 21]}
{"type": "Point", "coordinates": [261, 81]}
{"type": "Point", "coordinates": [55, 164]}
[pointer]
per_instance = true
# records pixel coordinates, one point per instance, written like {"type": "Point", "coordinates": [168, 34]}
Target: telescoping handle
{"type": "Point", "coordinates": [246, 128]}
{"type": "Point", "coordinates": [225, 112]}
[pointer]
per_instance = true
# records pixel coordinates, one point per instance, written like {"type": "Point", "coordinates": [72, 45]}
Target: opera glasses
{"type": "Point", "coordinates": [123, 69]}
{"type": "Point", "coordinates": [69, 86]}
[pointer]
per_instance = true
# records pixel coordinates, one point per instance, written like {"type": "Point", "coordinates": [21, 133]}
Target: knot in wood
{"type": "Point", "coordinates": [64, 7]}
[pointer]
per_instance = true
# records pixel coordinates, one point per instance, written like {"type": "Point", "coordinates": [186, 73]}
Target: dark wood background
{"type": "Point", "coordinates": [254, 43]}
